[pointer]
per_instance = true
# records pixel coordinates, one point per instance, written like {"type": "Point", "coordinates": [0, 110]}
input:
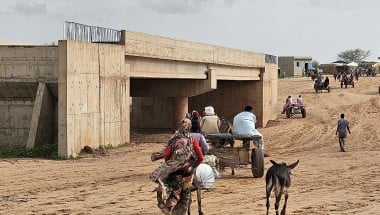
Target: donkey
{"type": "Point", "coordinates": [224, 127]}
{"type": "Point", "coordinates": [197, 188]}
{"type": "Point", "coordinates": [278, 177]}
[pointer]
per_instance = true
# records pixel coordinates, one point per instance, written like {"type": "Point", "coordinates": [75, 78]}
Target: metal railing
{"type": "Point", "coordinates": [91, 34]}
{"type": "Point", "coordinates": [270, 59]}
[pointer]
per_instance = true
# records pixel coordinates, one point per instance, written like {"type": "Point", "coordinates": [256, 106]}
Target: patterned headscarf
{"type": "Point", "coordinates": [182, 132]}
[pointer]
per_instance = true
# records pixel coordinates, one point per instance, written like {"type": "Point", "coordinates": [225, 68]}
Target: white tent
{"type": "Point", "coordinates": [352, 64]}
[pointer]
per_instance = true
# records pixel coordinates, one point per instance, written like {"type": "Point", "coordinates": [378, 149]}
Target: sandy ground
{"type": "Point", "coordinates": [326, 181]}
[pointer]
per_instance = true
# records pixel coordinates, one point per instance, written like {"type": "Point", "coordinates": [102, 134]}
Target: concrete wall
{"type": "Point", "coordinates": [21, 69]}
{"type": "Point", "coordinates": [270, 93]}
{"type": "Point", "coordinates": [94, 103]}
{"type": "Point", "coordinates": [301, 67]}
{"type": "Point", "coordinates": [328, 69]}
{"type": "Point", "coordinates": [286, 64]}
{"type": "Point", "coordinates": [289, 64]}
{"type": "Point", "coordinates": [15, 117]}
{"type": "Point", "coordinates": [151, 112]}
{"type": "Point", "coordinates": [29, 63]}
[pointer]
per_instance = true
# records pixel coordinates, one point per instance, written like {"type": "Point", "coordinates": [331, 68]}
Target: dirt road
{"type": "Point", "coordinates": [326, 181]}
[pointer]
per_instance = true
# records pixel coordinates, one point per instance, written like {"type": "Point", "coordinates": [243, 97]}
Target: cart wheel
{"type": "Point", "coordinates": [232, 142]}
{"type": "Point", "coordinates": [288, 112]}
{"type": "Point", "coordinates": [303, 111]}
{"type": "Point", "coordinates": [257, 162]}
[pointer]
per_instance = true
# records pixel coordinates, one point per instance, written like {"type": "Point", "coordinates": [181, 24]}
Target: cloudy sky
{"type": "Point", "coordinates": [317, 28]}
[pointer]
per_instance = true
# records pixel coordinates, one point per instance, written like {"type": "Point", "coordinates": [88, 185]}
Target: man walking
{"type": "Point", "coordinates": [342, 129]}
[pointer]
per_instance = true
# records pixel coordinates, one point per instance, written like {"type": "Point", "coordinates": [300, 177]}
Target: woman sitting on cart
{"type": "Point", "coordinates": [299, 101]}
{"type": "Point", "coordinates": [288, 103]}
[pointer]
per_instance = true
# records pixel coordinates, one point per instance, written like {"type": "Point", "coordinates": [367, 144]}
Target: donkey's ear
{"type": "Point", "coordinates": [291, 166]}
{"type": "Point", "coordinates": [273, 162]}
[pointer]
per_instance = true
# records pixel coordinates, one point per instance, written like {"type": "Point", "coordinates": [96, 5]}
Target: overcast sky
{"type": "Point", "coordinates": [317, 28]}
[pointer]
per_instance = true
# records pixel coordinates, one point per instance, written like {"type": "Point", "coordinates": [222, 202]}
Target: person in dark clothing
{"type": "Point", "coordinates": [326, 82]}
{"type": "Point", "coordinates": [195, 122]}
{"type": "Point", "coordinates": [342, 129]}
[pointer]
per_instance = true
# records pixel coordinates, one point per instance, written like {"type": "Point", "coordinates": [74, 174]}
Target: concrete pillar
{"type": "Point", "coordinates": [260, 100]}
{"type": "Point", "coordinates": [41, 126]}
{"type": "Point", "coordinates": [180, 108]}
{"type": "Point", "coordinates": [36, 115]}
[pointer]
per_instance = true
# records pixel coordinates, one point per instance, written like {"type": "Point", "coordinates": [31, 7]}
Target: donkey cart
{"type": "Point", "coordinates": [295, 109]}
{"type": "Point", "coordinates": [251, 152]}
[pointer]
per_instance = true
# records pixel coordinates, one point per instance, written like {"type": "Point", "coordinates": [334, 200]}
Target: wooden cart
{"type": "Point", "coordinates": [250, 153]}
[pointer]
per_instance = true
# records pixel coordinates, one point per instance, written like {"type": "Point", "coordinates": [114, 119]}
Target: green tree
{"type": "Point", "coordinates": [354, 55]}
{"type": "Point", "coordinates": [315, 64]}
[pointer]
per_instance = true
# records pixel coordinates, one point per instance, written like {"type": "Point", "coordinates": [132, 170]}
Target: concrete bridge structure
{"type": "Point", "coordinates": [80, 93]}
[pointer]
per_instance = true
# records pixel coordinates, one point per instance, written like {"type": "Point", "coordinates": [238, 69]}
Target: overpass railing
{"type": "Point", "coordinates": [91, 34]}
